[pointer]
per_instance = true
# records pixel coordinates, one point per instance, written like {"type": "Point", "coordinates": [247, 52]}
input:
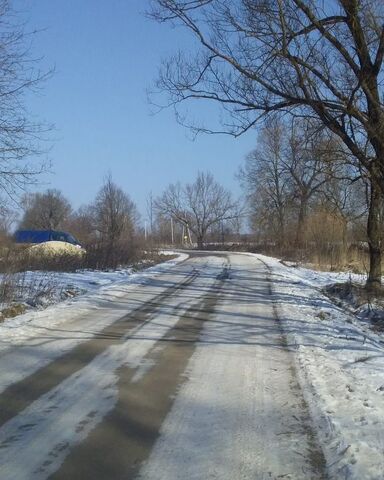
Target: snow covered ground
{"type": "Point", "coordinates": [39, 289]}
{"type": "Point", "coordinates": [240, 415]}
{"type": "Point", "coordinates": [42, 289]}
{"type": "Point", "coordinates": [340, 363]}
{"type": "Point", "coordinates": [99, 306]}
{"type": "Point", "coordinates": [46, 431]}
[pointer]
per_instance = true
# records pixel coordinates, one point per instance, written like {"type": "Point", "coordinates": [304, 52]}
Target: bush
{"type": "Point", "coordinates": [101, 256]}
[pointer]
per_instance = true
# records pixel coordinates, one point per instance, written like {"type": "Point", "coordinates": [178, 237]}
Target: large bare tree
{"type": "Point", "coordinates": [199, 205]}
{"type": "Point", "coordinates": [302, 57]}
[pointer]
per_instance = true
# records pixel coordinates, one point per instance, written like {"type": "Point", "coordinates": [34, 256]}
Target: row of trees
{"type": "Point", "coordinates": [110, 222]}
{"type": "Point", "coordinates": [184, 214]}
{"type": "Point", "coordinates": [304, 195]}
{"type": "Point", "coordinates": [310, 59]}
{"type": "Point", "coordinates": [108, 227]}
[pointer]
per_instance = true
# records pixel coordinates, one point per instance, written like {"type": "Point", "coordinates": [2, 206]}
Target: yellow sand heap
{"type": "Point", "coordinates": [54, 248]}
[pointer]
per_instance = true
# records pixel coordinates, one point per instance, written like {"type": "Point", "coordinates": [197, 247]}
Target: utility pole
{"type": "Point", "coordinates": [150, 212]}
{"type": "Point", "coordinates": [172, 238]}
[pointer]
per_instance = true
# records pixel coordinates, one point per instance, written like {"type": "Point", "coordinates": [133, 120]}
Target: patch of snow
{"type": "Point", "coordinates": [52, 425]}
{"type": "Point", "coordinates": [238, 415]}
{"type": "Point", "coordinates": [41, 336]}
{"type": "Point", "coordinates": [340, 362]}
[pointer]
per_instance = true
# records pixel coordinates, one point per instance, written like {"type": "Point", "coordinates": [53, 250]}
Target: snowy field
{"type": "Point", "coordinates": [340, 363]}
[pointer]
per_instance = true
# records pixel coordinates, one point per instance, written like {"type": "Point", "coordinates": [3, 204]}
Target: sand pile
{"type": "Point", "coordinates": [54, 248]}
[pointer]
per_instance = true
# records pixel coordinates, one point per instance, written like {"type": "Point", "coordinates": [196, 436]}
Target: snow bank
{"type": "Point", "coordinates": [340, 363]}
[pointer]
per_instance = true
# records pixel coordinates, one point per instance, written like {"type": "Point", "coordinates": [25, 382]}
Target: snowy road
{"type": "Point", "coordinates": [189, 378]}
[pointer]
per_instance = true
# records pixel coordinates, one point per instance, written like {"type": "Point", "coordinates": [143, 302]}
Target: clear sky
{"type": "Point", "coordinates": [106, 54]}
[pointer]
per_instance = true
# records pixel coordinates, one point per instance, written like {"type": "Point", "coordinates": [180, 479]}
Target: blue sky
{"type": "Point", "coordinates": [106, 54]}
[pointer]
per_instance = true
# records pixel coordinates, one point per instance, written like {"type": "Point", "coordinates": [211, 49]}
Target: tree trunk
{"type": "Point", "coordinates": [374, 237]}
{"type": "Point", "coordinates": [200, 243]}
{"type": "Point", "coordinates": [344, 240]}
{"type": "Point", "coordinates": [281, 240]}
{"type": "Point", "coordinates": [344, 229]}
{"type": "Point", "coordinates": [299, 241]}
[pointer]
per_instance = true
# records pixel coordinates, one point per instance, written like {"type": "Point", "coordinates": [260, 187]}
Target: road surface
{"type": "Point", "coordinates": [192, 379]}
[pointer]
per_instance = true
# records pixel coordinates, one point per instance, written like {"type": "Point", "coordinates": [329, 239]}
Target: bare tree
{"type": "Point", "coordinates": [345, 199]}
{"type": "Point", "coordinates": [115, 214]}
{"type": "Point", "coordinates": [303, 57]}
{"type": "Point", "coordinates": [310, 159]}
{"type": "Point", "coordinates": [47, 211]}
{"type": "Point", "coordinates": [8, 218]}
{"type": "Point", "coordinates": [300, 184]}
{"type": "Point", "coordinates": [293, 162]}
{"type": "Point", "coordinates": [266, 180]}
{"type": "Point", "coordinates": [199, 205]}
{"type": "Point", "coordinates": [165, 232]}
{"type": "Point", "coordinates": [82, 225]}
{"type": "Point", "coordinates": [21, 135]}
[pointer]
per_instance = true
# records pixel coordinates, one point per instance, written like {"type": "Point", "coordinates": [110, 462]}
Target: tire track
{"type": "Point", "coordinates": [19, 395]}
{"type": "Point", "coordinates": [124, 439]}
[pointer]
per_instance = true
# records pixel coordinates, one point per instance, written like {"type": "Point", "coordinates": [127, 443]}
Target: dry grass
{"type": "Point", "coordinates": [365, 304]}
{"type": "Point", "coordinates": [21, 290]}
{"type": "Point", "coordinates": [353, 259]}
{"type": "Point", "coordinates": [12, 311]}
{"type": "Point", "coordinates": [20, 286]}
